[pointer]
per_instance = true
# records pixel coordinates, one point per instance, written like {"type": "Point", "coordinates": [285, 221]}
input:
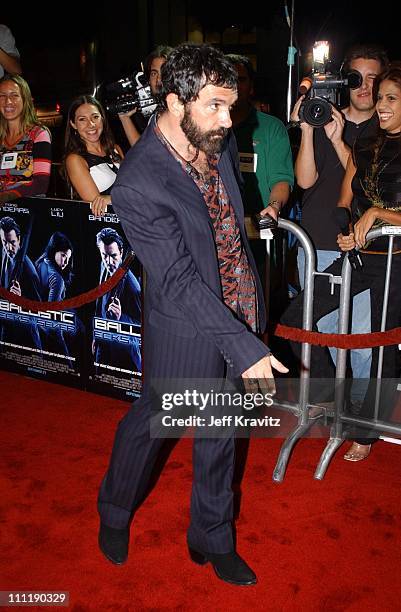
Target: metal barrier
{"type": "Point", "coordinates": [302, 408]}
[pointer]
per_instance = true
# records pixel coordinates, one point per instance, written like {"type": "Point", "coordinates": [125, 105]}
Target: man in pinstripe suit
{"type": "Point", "coordinates": [180, 206]}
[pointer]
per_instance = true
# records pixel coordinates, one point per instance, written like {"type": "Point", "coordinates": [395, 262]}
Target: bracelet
{"type": "Point", "coordinates": [275, 204]}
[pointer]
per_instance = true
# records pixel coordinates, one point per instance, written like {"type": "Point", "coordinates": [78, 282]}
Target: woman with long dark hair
{"type": "Point", "coordinates": [373, 178]}
{"type": "Point", "coordinates": [371, 191]}
{"type": "Point", "coordinates": [54, 269]}
{"type": "Point", "coordinates": [92, 158]}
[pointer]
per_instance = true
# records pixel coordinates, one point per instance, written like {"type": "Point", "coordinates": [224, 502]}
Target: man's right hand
{"type": "Point", "coordinates": [294, 117]}
{"type": "Point", "coordinates": [295, 111]}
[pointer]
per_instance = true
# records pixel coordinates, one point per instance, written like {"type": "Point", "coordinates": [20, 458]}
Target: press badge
{"type": "Point", "coordinates": [248, 162]}
{"type": "Point", "coordinates": [8, 160]}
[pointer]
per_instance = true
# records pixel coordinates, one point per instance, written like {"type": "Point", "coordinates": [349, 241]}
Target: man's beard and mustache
{"type": "Point", "coordinates": [210, 142]}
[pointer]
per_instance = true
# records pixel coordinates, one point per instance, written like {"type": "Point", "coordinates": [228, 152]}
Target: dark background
{"type": "Point", "coordinates": [68, 49]}
{"type": "Point", "coordinates": [116, 36]}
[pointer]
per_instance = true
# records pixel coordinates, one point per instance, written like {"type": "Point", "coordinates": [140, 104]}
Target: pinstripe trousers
{"type": "Point", "coordinates": [135, 451]}
{"type": "Point", "coordinates": [133, 457]}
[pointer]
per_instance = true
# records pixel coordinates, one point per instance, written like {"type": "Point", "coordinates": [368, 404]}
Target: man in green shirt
{"type": "Point", "coordinates": [265, 155]}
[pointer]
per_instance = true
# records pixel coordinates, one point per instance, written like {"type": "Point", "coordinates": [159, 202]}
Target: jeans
{"type": "Point", "coordinates": [361, 359]}
{"type": "Point", "coordinates": [321, 365]}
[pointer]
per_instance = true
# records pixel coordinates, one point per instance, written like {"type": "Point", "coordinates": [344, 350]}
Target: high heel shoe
{"type": "Point", "coordinates": [357, 452]}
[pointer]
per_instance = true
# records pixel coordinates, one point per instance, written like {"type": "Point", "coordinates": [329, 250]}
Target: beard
{"type": "Point", "coordinates": [210, 142]}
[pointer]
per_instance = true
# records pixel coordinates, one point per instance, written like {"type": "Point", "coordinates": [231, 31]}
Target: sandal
{"type": "Point", "coordinates": [357, 452]}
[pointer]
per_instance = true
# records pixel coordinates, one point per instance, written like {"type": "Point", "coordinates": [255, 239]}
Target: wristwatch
{"type": "Point", "coordinates": [276, 205]}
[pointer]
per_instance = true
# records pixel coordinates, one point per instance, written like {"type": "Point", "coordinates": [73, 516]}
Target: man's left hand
{"type": "Point", "coordinates": [334, 129]}
{"type": "Point", "coordinates": [261, 374]}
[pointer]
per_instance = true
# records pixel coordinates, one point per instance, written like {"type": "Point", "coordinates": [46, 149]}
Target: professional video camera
{"type": "Point", "coordinates": [128, 93]}
{"type": "Point", "coordinates": [323, 88]}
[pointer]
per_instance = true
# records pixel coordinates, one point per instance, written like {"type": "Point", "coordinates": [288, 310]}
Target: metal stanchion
{"type": "Point", "coordinates": [304, 422]}
{"type": "Point", "coordinates": [301, 410]}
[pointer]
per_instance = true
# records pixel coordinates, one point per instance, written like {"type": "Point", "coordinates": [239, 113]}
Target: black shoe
{"type": "Point", "coordinates": [114, 543]}
{"type": "Point", "coordinates": [228, 566]}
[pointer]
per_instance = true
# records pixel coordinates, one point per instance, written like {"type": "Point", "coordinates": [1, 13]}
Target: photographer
{"type": "Point", "coordinates": [319, 170]}
{"type": "Point", "coordinates": [370, 190]}
{"type": "Point", "coordinates": [133, 122]}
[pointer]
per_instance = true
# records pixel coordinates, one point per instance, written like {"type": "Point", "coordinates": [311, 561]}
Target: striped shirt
{"type": "Point", "coordinates": [31, 164]}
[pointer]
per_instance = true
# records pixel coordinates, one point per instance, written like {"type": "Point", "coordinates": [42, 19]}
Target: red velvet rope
{"type": "Point", "coordinates": [348, 341]}
{"type": "Point", "coordinates": [75, 302]}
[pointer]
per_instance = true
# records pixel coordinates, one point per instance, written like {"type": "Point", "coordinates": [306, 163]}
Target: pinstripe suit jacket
{"type": "Point", "coordinates": [188, 330]}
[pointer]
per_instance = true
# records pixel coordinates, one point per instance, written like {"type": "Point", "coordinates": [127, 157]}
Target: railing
{"type": "Point", "coordinates": [301, 409]}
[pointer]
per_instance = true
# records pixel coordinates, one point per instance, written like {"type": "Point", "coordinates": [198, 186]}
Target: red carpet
{"type": "Point", "coordinates": [328, 546]}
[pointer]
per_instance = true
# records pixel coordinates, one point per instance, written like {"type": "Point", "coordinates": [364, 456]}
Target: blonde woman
{"type": "Point", "coordinates": [25, 144]}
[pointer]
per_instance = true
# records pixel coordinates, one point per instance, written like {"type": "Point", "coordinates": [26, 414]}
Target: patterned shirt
{"type": "Point", "coordinates": [237, 281]}
{"type": "Point", "coordinates": [28, 171]}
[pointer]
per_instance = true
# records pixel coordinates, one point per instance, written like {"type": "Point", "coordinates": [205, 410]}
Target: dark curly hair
{"type": "Point", "coordinates": [189, 68]}
{"type": "Point", "coordinates": [162, 51]}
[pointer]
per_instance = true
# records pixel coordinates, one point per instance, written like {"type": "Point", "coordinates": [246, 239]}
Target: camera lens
{"type": "Point", "coordinates": [316, 111]}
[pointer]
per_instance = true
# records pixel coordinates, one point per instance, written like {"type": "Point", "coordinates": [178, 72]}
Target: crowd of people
{"type": "Point", "coordinates": [206, 155]}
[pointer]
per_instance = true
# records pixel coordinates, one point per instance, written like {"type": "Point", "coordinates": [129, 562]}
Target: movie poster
{"type": "Point", "coordinates": [53, 250]}
{"type": "Point", "coordinates": [41, 259]}
{"type": "Point", "coordinates": [113, 345]}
